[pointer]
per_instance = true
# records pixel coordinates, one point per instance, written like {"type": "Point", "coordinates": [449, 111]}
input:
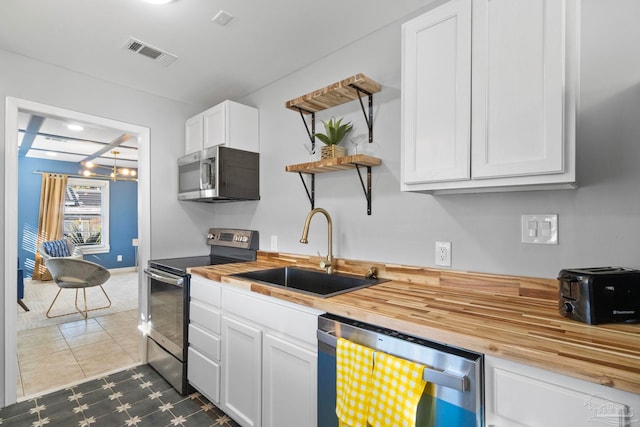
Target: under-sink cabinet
{"type": "Point", "coordinates": [242, 372]}
{"type": "Point", "coordinates": [254, 356]}
{"type": "Point", "coordinates": [269, 361]}
{"type": "Point", "coordinates": [489, 96]}
{"type": "Point", "coordinates": [518, 395]}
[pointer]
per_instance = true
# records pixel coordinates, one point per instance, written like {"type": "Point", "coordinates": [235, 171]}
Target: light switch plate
{"type": "Point", "coordinates": [540, 229]}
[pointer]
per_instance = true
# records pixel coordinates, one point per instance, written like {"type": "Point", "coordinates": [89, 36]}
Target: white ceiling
{"type": "Point", "coordinates": [265, 41]}
{"type": "Point", "coordinates": [53, 140]}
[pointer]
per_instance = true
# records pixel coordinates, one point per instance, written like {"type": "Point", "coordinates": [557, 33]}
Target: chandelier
{"type": "Point", "coordinates": [114, 173]}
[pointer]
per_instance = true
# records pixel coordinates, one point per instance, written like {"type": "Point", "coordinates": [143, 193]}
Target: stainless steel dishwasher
{"type": "Point", "coordinates": [457, 375]}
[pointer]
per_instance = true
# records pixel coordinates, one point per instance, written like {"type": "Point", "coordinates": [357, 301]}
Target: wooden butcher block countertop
{"type": "Point", "coordinates": [507, 316]}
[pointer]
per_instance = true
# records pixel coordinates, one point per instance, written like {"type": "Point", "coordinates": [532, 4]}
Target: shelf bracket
{"type": "Point", "coordinates": [367, 189]}
{"type": "Point", "coordinates": [310, 194]}
{"type": "Point", "coordinates": [311, 131]}
{"type": "Point", "coordinates": [367, 117]}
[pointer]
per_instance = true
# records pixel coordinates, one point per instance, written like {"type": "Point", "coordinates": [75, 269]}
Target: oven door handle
{"type": "Point", "coordinates": [435, 376]}
{"type": "Point", "coordinates": [163, 277]}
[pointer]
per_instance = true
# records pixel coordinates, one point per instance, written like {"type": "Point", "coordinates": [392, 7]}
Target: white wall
{"type": "Point", "coordinates": [172, 223]}
{"type": "Point", "coordinates": [599, 223]}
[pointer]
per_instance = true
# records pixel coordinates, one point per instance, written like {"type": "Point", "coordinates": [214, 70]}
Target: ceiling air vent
{"type": "Point", "coordinates": [145, 49]}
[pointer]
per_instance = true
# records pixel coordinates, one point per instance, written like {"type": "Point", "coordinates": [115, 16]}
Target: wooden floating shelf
{"type": "Point", "coordinates": [333, 95]}
{"type": "Point", "coordinates": [334, 164]}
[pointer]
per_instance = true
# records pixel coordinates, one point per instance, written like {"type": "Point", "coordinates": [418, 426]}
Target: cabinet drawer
{"type": "Point", "coordinates": [297, 323]}
{"type": "Point", "coordinates": [204, 316]}
{"type": "Point", "coordinates": [204, 375]}
{"type": "Point", "coordinates": [204, 342]}
{"type": "Point", "coordinates": [205, 291]}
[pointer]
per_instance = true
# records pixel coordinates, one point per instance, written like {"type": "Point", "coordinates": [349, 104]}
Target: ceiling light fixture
{"type": "Point", "coordinates": [75, 128]}
{"type": "Point", "coordinates": [122, 174]}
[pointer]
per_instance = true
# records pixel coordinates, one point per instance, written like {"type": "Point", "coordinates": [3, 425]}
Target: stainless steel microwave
{"type": "Point", "coordinates": [219, 174]}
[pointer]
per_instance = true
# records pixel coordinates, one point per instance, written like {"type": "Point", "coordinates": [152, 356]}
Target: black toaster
{"type": "Point", "coordinates": [600, 295]}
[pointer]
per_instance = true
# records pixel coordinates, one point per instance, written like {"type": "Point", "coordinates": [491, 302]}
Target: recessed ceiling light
{"type": "Point", "coordinates": [76, 128]}
{"type": "Point", "coordinates": [158, 1]}
{"type": "Point", "coordinates": [51, 154]}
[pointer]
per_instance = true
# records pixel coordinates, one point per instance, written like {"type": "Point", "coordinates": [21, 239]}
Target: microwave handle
{"type": "Point", "coordinates": [202, 172]}
{"type": "Point", "coordinates": [205, 173]}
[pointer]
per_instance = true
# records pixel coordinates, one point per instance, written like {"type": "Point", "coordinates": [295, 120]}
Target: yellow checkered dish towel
{"type": "Point", "coordinates": [396, 390]}
{"type": "Point", "coordinates": [354, 364]}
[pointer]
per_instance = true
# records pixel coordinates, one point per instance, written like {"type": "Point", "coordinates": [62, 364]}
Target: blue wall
{"type": "Point", "coordinates": [123, 214]}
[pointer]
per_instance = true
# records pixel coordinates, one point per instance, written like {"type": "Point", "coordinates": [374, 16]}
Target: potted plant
{"type": "Point", "coordinates": [335, 130]}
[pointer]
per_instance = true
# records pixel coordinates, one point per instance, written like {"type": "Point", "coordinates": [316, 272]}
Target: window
{"type": "Point", "coordinates": [86, 214]}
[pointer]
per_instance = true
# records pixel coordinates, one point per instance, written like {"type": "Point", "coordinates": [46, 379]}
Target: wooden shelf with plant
{"type": "Point", "coordinates": [333, 156]}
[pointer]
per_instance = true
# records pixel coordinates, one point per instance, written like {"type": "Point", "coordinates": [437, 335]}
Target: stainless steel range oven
{"type": "Point", "coordinates": [168, 286]}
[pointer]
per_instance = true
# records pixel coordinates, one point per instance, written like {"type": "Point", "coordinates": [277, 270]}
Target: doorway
{"type": "Point", "coordinates": [13, 107]}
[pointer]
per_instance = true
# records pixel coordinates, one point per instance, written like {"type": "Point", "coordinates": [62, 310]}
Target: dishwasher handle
{"type": "Point", "coordinates": [435, 376]}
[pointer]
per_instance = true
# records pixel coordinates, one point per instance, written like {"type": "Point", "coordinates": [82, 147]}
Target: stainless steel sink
{"type": "Point", "coordinates": [310, 282]}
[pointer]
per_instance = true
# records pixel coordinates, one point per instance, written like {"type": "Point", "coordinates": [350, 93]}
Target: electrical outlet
{"type": "Point", "coordinates": [274, 243]}
{"type": "Point", "coordinates": [443, 254]}
{"type": "Point", "coordinates": [119, 258]}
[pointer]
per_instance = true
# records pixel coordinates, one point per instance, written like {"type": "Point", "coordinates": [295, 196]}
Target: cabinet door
{"type": "Point", "coordinates": [241, 372]}
{"type": "Point", "coordinates": [518, 395]}
{"type": "Point", "coordinates": [518, 87]}
{"type": "Point", "coordinates": [193, 134]}
{"type": "Point", "coordinates": [436, 94]}
{"type": "Point", "coordinates": [289, 384]}
{"type": "Point", "coordinates": [215, 125]}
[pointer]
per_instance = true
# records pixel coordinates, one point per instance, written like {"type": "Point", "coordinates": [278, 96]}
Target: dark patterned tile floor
{"type": "Point", "coordinates": [137, 397]}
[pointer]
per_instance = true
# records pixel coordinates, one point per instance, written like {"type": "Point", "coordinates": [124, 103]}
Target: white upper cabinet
{"type": "Point", "coordinates": [193, 134]}
{"type": "Point", "coordinates": [488, 92]}
{"type": "Point", "coordinates": [436, 94]}
{"type": "Point", "coordinates": [229, 123]}
{"type": "Point", "coordinates": [518, 83]}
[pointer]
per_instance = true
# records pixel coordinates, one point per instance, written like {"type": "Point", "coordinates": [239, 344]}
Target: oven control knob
{"type": "Point", "coordinates": [210, 236]}
{"type": "Point", "coordinates": [567, 307]}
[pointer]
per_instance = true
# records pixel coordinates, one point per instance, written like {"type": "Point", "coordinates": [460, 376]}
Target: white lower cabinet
{"type": "Point", "coordinates": [520, 395]}
{"type": "Point", "coordinates": [289, 384]}
{"type": "Point", "coordinates": [269, 361]}
{"type": "Point", "coordinates": [204, 375]}
{"type": "Point", "coordinates": [203, 366]}
{"type": "Point", "coordinates": [242, 372]}
{"type": "Point", "coordinates": [253, 356]}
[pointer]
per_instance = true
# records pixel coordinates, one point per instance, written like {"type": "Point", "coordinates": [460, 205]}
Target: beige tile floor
{"type": "Point", "coordinates": [51, 357]}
